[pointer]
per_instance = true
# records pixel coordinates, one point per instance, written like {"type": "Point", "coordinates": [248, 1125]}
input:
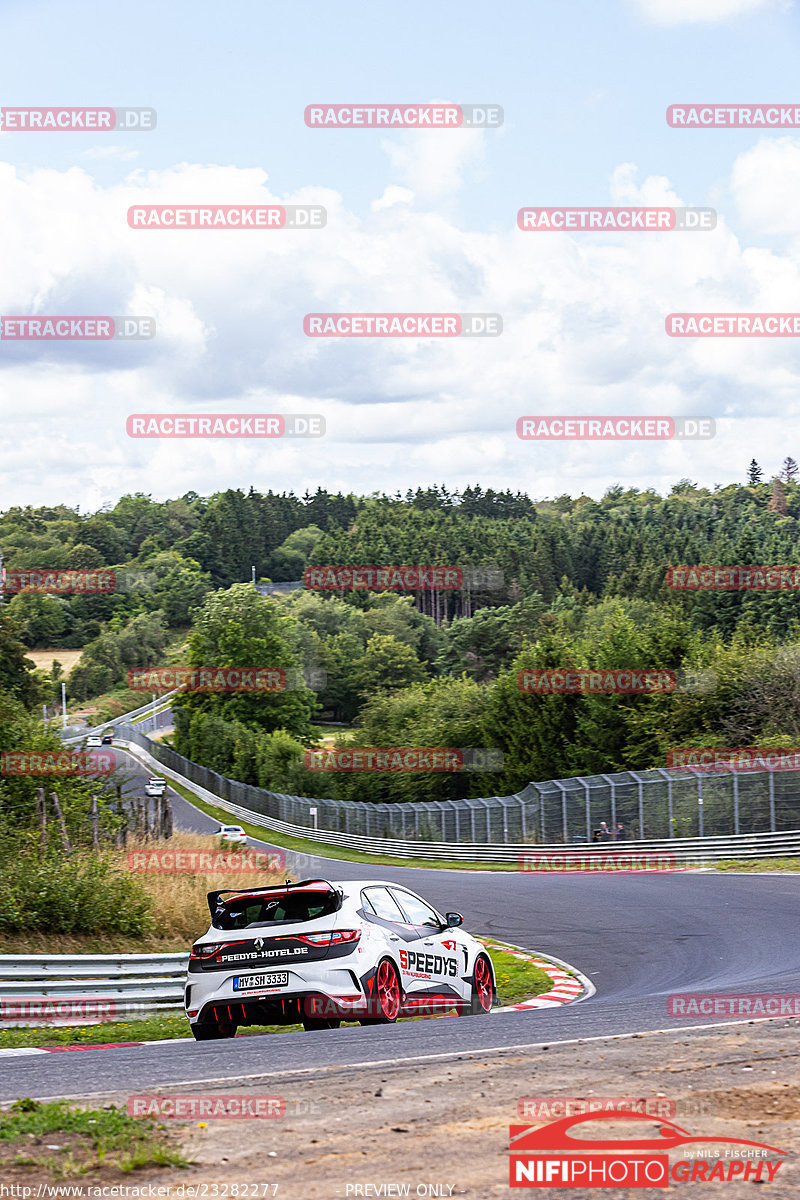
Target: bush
{"type": "Point", "coordinates": [81, 894]}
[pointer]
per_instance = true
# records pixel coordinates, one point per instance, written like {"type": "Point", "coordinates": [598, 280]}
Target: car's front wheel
{"type": "Point", "coordinates": [385, 1003]}
{"type": "Point", "coordinates": [209, 1031]}
{"type": "Point", "coordinates": [482, 993]}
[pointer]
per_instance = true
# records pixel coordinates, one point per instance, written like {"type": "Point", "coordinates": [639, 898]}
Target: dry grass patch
{"type": "Point", "coordinates": [178, 898]}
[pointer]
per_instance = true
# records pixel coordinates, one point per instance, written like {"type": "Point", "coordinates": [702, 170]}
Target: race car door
{"type": "Point", "coordinates": [431, 959]}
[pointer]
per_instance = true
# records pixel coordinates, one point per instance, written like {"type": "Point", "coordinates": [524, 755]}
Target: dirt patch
{"type": "Point", "coordinates": [446, 1125]}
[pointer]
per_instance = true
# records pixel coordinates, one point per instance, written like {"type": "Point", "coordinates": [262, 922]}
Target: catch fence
{"type": "Point", "coordinates": [654, 804]}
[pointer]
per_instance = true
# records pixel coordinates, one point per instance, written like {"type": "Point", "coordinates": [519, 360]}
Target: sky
{"type": "Point", "coordinates": [418, 221]}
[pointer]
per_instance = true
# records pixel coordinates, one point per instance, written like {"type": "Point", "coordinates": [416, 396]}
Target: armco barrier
{"type": "Point", "coordinates": [653, 806]}
{"type": "Point", "coordinates": [136, 983]}
{"type": "Point", "coordinates": [93, 730]}
{"type": "Point", "coordinates": [688, 852]}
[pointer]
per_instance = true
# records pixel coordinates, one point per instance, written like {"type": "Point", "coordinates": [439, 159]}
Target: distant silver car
{"type": "Point", "coordinates": [320, 952]}
{"type": "Point", "coordinates": [93, 741]}
{"type": "Point", "coordinates": [155, 786]}
{"type": "Point", "coordinates": [231, 833]}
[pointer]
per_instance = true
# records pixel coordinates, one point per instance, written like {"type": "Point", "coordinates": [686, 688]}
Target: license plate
{"type": "Point", "coordinates": [244, 983]}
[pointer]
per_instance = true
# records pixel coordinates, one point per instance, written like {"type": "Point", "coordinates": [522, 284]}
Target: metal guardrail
{"type": "Point", "coordinates": [93, 730]}
{"type": "Point", "coordinates": [74, 985]}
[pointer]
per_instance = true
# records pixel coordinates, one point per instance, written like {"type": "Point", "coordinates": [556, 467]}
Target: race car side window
{"type": "Point", "coordinates": [416, 911]}
{"type": "Point", "coordinates": [383, 905]}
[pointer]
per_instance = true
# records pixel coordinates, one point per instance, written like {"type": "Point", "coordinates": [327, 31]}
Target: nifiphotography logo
{"type": "Point", "coordinates": [551, 1155]}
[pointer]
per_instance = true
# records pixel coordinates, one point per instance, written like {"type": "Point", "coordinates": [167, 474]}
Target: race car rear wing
{"type": "Point", "coordinates": [216, 904]}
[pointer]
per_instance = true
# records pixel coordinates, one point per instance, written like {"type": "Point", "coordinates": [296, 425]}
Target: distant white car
{"type": "Point", "coordinates": [231, 833]}
{"type": "Point", "coordinates": [155, 786]}
{"type": "Point", "coordinates": [322, 952]}
{"type": "Point", "coordinates": [94, 741]}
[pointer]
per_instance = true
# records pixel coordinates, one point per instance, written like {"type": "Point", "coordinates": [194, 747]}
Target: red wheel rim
{"type": "Point", "coordinates": [483, 984]}
{"type": "Point", "coordinates": [388, 990]}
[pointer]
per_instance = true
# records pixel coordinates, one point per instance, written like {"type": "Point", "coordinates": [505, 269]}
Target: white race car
{"type": "Point", "coordinates": [232, 834]}
{"type": "Point", "coordinates": [320, 952]}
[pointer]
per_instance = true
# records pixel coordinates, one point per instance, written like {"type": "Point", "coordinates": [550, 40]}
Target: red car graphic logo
{"type": "Point", "coordinates": [556, 1136]}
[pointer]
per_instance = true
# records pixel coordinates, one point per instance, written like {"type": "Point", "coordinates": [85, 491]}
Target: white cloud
{"type": "Point", "coordinates": [679, 12]}
{"type": "Point", "coordinates": [584, 334]}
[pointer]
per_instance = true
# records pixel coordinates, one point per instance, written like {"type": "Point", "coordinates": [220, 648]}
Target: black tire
{"type": "Point", "coordinates": [475, 1007]}
{"type": "Point", "coordinates": [310, 1023]}
{"type": "Point", "coordinates": [210, 1031]}
{"type": "Point", "coordinates": [386, 980]}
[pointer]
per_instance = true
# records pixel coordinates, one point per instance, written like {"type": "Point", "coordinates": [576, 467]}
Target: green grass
{"type": "Point", "coordinates": [517, 980]}
{"type": "Point", "coordinates": [758, 864]}
{"type": "Point", "coordinates": [93, 1138]}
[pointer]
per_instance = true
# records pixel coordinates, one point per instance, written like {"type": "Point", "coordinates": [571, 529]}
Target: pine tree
{"type": "Point", "coordinates": [788, 470]}
{"type": "Point", "coordinates": [754, 473]}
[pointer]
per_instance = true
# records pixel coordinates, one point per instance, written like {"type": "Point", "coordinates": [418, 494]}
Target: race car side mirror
{"type": "Point", "coordinates": [453, 919]}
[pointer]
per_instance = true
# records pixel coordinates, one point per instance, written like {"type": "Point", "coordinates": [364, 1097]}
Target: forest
{"type": "Point", "coordinates": [563, 582]}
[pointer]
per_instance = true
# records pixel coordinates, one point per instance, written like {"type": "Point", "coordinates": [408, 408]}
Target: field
{"type": "Point", "coordinates": [44, 658]}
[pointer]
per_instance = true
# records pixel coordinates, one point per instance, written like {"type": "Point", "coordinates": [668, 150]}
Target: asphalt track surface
{"type": "Point", "coordinates": [638, 937]}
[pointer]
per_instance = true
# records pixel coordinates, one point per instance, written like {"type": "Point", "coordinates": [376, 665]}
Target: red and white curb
{"type": "Point", "coordinates": [568, 985]}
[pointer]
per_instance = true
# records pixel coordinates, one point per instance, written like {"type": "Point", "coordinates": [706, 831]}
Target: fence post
{"type": "Point", "coordinates": [772, 801]}
{"type": "Point", "coordinates": [41, 813]}
{"type": "Point", "coordinates": [700, 826]}
{"type": "Point", "coordinates": [641, 809]}
{"type": "Point", "coordinates": [61, 821]}
{"type": "Point", "coordinates": [93, 816]}
{"type": "Point", "coordinates": [563, 791]}
{"type": "Point", "coordinates": [588, 812]}
{"type": "Point", "coordinates": [735, 802]}
{"type": "Point", "coordinates": [669, 807]}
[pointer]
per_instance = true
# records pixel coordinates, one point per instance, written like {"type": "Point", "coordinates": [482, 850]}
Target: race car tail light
{"type": "Point", "coordinates": [207, 950]}
{"type": "Point", "coordinates": [331, 937]}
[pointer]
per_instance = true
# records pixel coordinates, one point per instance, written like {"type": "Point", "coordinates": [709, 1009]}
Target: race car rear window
{"type": "Point", "coordinates": [282, 908]}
